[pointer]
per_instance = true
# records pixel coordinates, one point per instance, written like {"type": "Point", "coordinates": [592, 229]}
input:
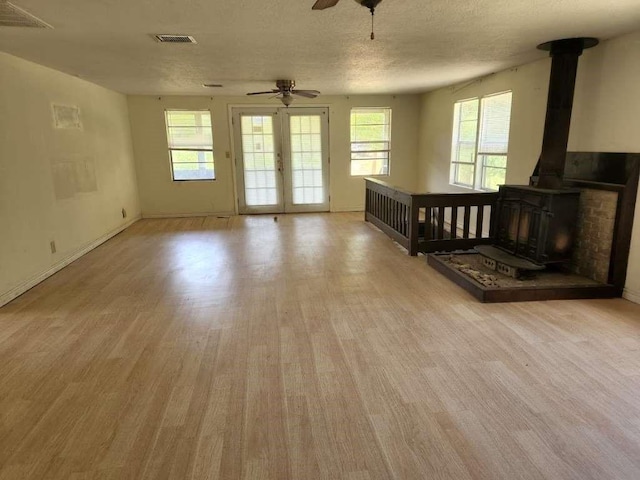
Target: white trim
{"type": "Point", "coordinates": [36, 279]}
{"type": "Point", "coordinates": [188, 215]}
{"type": "Point", "coordinates": [284, 184]}
{"type": "Point", "coordinates": [388, 112]}
{"type": "Point", "coordinates": [232, 152]}
{"type": "Point", "coordinates": [631, 295]}
{"type": "Point", "coordinates": [171, 149]}
{"type": "Point", "coordinates": [478, 165]}
{"type": "Point", "coordinates": [231, 107]}
{"type": "Point", "coordinates": [357, 208]}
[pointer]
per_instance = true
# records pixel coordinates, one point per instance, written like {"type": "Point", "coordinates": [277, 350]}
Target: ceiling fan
{"type": "Point", "coordinates": [322, 4]}
{"type": "Point", "coordinates": [370, 4]}
{"type": "Point", "coordinates": [285, 89]}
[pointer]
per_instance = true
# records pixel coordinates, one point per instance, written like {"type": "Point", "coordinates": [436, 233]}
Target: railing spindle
{"type": "Point", "coordinates": [391, 205]}
{"type": "Point", "coordinates": [396, 223]}
{"type": "Point", "coordinates": [479, 221]}
{"type": "Point", "coordinates": [440, 223]}
{"type": "Point", "coordinates": [428, 227]}
{"type": "Point", "coordinates": [454, 223]}
{"type": "Point", "coordinates": [467, 219]}
{"type": "Point", "coordinates": [414, 228]}
{"type": "Point", "coordinates": [386, 210]}
{"type": "Point", "coordinates": [405, 220]}
{"type": "Point", "coordinates": [399, 214]}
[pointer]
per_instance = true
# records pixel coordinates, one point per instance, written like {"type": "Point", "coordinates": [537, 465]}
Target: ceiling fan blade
{"type": "Point", "coordinates": [264, 93]}
{"type": "Point", "coordinates": [322, 4]}
{"type": "Point", "coordinates": [306, 93]}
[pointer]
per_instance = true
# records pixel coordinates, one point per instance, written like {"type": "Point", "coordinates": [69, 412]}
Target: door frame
{"type": "Point", "coordinates": [273, 112]}
{"type": "Point", "coordinates": [282, 144]}
{"type": "Point", "coordinates": [289, 206]}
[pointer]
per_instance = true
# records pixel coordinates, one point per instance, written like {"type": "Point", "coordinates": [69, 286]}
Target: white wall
{"type": "Point", "coordinates": [35, 157]}
{"type": "Point", "coordinates": [160, 196]}
{"type": "Point", "coordinates": [529, 84]}
{"type": "Point", "coordinates": [605, 118]}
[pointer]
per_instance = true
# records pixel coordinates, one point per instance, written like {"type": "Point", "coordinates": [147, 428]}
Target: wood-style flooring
{"type": "Point", "coordinates": [308, 348]}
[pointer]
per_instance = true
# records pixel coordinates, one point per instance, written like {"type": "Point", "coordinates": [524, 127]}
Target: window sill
{"type": "Point", "coordinates": [474, 189]}
{"type": "Point", "coordinates": [459, 185]}
{"type": "Point", "coordinates": [193, 181]}
{"type": "Point", "coordinates": [370, 175]}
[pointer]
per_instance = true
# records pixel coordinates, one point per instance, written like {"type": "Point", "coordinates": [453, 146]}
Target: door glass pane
{"type": "Point", "coordinates": [259, 160]}
{"type": "Point", "coordinates": [306, 159]}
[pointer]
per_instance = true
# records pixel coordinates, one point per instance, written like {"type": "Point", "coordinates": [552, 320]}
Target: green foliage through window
{"type": "Point", "coordinates": [370, 141]}
{"type": "Point", "coordinates": [190, 141]}
{"type": "Point", "coordinates": [481, 141]}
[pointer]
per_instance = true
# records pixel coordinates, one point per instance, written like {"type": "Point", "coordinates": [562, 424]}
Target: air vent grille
{"type": "Point", "coordinates": [167, 38]}
{"type": "Point", "coordinates": [12, 16]}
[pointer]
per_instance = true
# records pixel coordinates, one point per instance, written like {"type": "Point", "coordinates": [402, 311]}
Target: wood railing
{"type": "Point", "coordinates": [391, 210]}
{"type": "Point", "coordinates": [430, 222]}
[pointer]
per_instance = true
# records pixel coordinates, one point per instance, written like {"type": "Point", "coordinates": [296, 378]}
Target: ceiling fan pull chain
{"type": "Point", "coordinates": [373, 35]}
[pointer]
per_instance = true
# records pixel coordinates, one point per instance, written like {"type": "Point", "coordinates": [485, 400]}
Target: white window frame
{"type": "Point", "coordinates": [455, 143]}
{"type": "Point", "coordinates": [479, 165]}
{"type": "Point", "coordinates": [386, 152]}
{"type": "Point", "coordinates": [201, 151]}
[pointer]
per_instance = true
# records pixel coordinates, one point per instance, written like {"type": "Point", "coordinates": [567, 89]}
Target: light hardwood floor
{"type": "Point", "coordinates": [308, 348]}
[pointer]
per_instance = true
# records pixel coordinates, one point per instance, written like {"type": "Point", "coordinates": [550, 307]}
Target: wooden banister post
{"type": "Point", "coordinates": [367, 201]}
{"type": "Point", "coordinates": [493, 225]}
{"type": "Point", "coordinates": [414, 227]}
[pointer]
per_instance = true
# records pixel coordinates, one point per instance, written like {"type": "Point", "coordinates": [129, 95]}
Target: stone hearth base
{"type": "Point", "coordinates": [467, 270]}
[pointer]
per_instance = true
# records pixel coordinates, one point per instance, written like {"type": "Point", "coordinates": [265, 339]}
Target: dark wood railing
{"type": "Point", "coordinates": [430, 222]}
{"type": "Point", "coordinates": [391, 210]}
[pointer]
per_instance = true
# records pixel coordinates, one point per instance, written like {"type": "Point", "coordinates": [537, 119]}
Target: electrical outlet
{"type": "Point", "coordinates": [52, 244]}
{"type": "Point", "coordinates": [124, 213]}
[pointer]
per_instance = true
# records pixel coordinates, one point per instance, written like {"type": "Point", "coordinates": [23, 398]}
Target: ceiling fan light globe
{"type": "Point", "coordinates": [287, 100]}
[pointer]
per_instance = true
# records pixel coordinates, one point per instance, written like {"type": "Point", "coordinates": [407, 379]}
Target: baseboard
{"type": "Point", "coordinates": [35, 280]}
{"type": "Point", "coordinates": [358, 208]}
{"type": "Point", "coordinates": [187, 215]}
{"type": "Point", "coordinates": [631, 296]}
{"type": "Point", "coordinates": [229, 214]}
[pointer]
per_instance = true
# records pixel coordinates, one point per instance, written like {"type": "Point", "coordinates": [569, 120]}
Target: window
{"type": "Point", "coordinates": [190, 142]}
{"type": "Point", "coordinates": [481, 141]}
{"type": "Point", "coordinates": [370, 141]}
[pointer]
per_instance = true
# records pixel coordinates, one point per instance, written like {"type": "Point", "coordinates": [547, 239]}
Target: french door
{"type": "Point", "coordinates": [282, 159]}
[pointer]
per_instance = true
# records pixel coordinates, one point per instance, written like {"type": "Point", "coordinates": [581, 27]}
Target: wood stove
{"type": "Point", "coordinates": [533, 226]}
{"type": "Point", "coordinates": [537, 223]}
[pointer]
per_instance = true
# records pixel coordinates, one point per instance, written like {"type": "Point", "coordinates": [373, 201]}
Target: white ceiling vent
{"type": "Point", "coordinates": [167, 38]}
{"type": "Point", "coordinates": [12, 16]}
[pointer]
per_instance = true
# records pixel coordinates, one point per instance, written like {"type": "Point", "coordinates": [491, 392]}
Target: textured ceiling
{"type": "Point", "coordinates": [248, 44]}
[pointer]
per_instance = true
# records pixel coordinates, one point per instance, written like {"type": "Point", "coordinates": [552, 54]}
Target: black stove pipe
{"type": "Point", "coordinates": [564, 64]}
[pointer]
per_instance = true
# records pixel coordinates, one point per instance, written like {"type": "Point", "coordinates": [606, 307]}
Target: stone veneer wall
{"type": "Point", "coordinates": [594, 234]}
